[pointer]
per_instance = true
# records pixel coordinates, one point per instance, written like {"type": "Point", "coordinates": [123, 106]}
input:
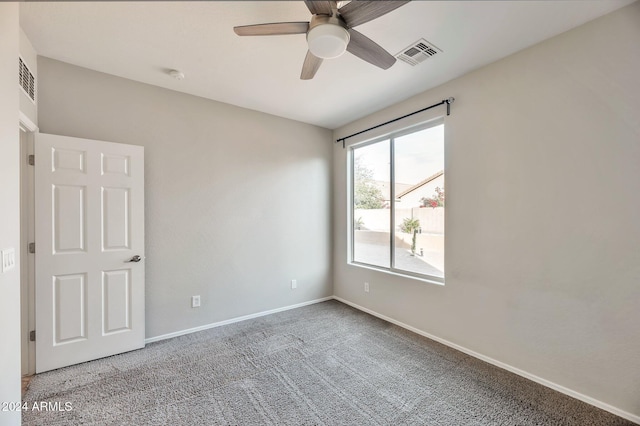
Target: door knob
{"type": "Point", "coordinates": [135, 258]}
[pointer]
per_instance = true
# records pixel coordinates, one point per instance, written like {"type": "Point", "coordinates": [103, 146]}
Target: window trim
{"type": "Point", "coordinates": [391, 136]}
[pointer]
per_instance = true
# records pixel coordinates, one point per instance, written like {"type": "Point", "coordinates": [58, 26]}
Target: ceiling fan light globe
{"type": "Point", "coordinates": [328, 41]}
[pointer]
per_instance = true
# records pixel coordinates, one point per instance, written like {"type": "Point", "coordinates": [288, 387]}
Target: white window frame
{"type": "Point", "coordinates": [351, 227]}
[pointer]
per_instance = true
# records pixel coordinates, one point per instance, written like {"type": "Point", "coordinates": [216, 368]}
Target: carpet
{"type": "Point", "coordinates": [323, 364]}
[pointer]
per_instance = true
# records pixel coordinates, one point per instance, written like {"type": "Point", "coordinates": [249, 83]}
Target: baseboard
{"type": "Point", "coordinates": [584, 398]}
{"type": "Point", "coordinates": [232, 320]}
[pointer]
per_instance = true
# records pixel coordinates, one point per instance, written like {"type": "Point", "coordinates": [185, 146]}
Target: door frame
{"type": "Point", "coordinates": [27, 234]}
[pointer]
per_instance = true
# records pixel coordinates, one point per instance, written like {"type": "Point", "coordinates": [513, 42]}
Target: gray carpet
{"type": "Point", "coordinates": [324, 364]}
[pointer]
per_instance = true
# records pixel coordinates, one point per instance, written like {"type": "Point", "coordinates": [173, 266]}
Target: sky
{"type": "Point", "coordinates": [418, 156]}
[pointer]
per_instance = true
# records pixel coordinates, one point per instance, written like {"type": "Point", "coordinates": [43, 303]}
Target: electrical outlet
{"type": "Point", "coordinates": [366, 287]}
{"type": "Point", "coordinates": [195, 301]}
{"type": "Point", "coordinates": [294, 284]}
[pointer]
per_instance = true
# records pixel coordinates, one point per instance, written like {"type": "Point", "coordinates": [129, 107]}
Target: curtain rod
{"type": "Point", "coordinates": [447, 101]}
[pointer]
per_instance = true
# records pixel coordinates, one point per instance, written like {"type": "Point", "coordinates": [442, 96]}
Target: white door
{"type": "Point", "coordinates": [89, 199]}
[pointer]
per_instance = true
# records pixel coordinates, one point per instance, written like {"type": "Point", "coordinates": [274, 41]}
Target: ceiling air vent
{"type": "Point", "coordinates": [418, 52]}
{"type": "Point", "coordinates": [27, 80]}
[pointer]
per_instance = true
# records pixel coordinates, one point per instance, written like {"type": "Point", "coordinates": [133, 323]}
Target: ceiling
{"type": "Point", "coordinates": [143, 40]}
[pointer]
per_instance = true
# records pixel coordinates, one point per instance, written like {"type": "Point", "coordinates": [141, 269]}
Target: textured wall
{"type": "Point", "coordinates": [543, 237]}
{"type": "Point", "coordinates": [237, 202]}
{"type": "Point", "coordinates": [9, 212]}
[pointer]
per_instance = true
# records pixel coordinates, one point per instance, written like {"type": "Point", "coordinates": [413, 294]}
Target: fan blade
{"type": "Point", "coordinates": [319, 7]}
{"type": "Point", "coordinates": [277, 28]}
{"type": "Point", "coordinates": [368, 50]}
{"type": "Point", "coordinates": [310, 66]}
{"type": "Point", "coordinates": [358, 12]}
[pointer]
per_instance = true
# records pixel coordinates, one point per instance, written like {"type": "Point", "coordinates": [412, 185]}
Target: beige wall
{"type": "Point", "coordinates": [543, 207]}
{"type": "Point", "coordinates": [237, 202]}
{"type": "Point", "coordinates": [9, 211]}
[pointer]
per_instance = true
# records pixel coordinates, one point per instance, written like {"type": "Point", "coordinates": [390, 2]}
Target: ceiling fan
{"type": "Point", "coordinates": [330, 32]}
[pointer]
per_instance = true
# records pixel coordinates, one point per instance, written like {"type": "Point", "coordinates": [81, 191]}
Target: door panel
{"type": "Point", "coordinates": [115, 164]}
{"type": "Point", "coordinates": [69, 219]}
{"type": "Point", "coordinates": [70, 308]}
{"type": "Point", "coordinates": [68, 159]}
{"type": "Point", "coordinates": [115, 219]}
{"type": "Point", "coordinates": [116, 287]}
{"type": "Point", "coordinates": [89, 224]}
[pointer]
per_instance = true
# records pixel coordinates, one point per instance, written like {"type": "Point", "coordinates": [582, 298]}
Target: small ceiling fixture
{"type": "Point", "coordinates": [178, 75]}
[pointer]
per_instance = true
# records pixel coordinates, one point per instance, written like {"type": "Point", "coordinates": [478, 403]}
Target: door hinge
{"type": "Point", "coordinates": [32, 336]}
{"type": "Point", "coordinates": [31, 160]}
{"type": "Point", "coordinates": [32, 247]}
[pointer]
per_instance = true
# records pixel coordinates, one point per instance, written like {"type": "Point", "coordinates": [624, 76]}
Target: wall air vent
{"type": "Point", "coordinates": [418, 52]}
{"type": "Point", "coordinates": [26, 80]}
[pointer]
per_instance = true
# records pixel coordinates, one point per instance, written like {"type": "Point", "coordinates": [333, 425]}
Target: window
{"type": "Point", "coordinates": [398, 198]}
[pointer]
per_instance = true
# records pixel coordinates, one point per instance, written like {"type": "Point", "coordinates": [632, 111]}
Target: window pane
{"type": "Point", "coordinates": [419, 203]}
{"type": "Point", "coordinates": [371, 213]}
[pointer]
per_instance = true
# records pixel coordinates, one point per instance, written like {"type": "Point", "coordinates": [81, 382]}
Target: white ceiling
{"type": "Point", "coordinates": [142, 40]}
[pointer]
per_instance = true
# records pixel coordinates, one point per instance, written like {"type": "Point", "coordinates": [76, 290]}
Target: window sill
{"type": "Point", "coordinates": [396, 273]}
